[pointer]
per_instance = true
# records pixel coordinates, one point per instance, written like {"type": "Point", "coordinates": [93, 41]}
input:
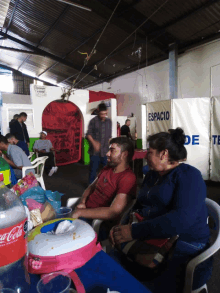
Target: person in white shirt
{"type": "Point", "coordinates": [44, 147]}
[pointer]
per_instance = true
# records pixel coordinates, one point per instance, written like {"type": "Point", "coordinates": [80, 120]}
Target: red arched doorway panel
{"type": "Point", "coordinates": [63, 123]}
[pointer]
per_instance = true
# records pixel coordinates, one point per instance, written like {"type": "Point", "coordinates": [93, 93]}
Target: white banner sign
{"type": "Point", "coordinates": [215, 140]}
{"type": "Point", "coordinates": [158, 117]}
{"type": "Point", "coordinates": [193, 115]}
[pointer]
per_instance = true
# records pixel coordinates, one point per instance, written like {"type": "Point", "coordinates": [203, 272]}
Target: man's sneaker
{"type": "Point", "coordinates": [55, 169]}
{"type": "Point", "coordinates": [51, 172]}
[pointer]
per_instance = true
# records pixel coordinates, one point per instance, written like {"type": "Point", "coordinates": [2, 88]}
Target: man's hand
{"type": "Point", "coordinates": [76, 214]}
{"type": "Point", "coordinates": [28, 144]}
{"type": "Point", "coordinates": [42, 151]}
{"type": "Point", "coordinates": [120, 234]}
{"type": "Point", "coordinates": [81, 206]}
{"type": "Point", "coordinates": [96, 146]}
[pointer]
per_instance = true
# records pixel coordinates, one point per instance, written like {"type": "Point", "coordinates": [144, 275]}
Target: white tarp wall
{"type": "Point", "coordinates": [193, 115]}
{"type": "Point", "coordinates": [215, 140]}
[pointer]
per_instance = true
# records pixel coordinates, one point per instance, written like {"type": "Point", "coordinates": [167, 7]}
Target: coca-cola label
{"type": "Point", "coordinates": [13, 243]}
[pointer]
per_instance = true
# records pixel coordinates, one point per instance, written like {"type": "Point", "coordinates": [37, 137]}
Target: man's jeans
{"type": "Point", "coordinates": [94, 165]}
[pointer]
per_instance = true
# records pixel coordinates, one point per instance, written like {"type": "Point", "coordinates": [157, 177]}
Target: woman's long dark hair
{"type": "Point", "coordinates": [173, 141]}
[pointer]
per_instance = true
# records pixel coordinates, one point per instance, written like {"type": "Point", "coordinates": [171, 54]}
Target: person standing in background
{"type": "Point", "coordinates": [15, 118]}
{"type": "Point", "coordinates": [125, 129]}
{"type": "Point", "coordinates": [19, 128]}
{"type": "Point", "coordinates": [98, 134]}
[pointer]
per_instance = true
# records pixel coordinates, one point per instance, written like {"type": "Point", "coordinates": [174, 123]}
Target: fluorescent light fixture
{"type": "Point", "coordinates": [75, 4]}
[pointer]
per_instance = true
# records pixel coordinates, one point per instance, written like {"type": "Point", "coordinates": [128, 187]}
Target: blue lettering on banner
{"type": "Point", "coordinates": [194, 139]}
{"type": "Point", "coordinates": [159, 116]}
{"type": "Point", "coordinates": [216, 139]}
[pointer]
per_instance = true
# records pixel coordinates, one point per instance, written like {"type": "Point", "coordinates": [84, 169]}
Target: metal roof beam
{"type": "Point", "coordinates": [19, 50]}
{"type": "Point", "coordinates": [125, 8]}
{"type": "Point", "coordinates": [12, 16]}
{"type": "Point", "coordinates": [44, 53]}
{"type": "Point", "coordinates": [72, 51]}
{"type": "Point", "coordinates": [47, 33]}
{"type": "Point", "coordinates": [14, 70]}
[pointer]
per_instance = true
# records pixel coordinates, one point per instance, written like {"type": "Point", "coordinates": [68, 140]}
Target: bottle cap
{"type": "Point", "coordinates": [1, 177]}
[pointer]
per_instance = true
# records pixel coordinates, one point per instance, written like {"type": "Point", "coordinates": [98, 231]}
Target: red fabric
{"type": "Point", "coordinates": [110, 184]}
{"type": "Point", "coordinates": [100, 96]}
{"type": "Point", "coordinates": [139, 154]}
{"type": "Point", "coordinates": [63, 124]}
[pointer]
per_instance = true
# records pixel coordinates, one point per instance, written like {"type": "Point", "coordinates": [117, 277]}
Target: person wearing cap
{"type": "Point", "coordinates": [21, 144]}
{"type": "Point", "coordinates": [44, 147]}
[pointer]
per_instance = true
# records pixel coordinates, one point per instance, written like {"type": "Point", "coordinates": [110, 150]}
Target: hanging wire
{"type": "Point", "coordinates": [93, 49]}
{"type": "Point", "coordinates": [126, 39]}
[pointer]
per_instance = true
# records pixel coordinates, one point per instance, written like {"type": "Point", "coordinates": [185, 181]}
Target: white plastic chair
{"type": "Point", "coordinates": [39, 174]}
{"type": "Point", "coordinates": [31, 155]}
{"type": "Point", "coordinates": [214, 212]}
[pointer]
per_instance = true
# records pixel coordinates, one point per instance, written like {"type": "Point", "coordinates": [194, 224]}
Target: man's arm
{"type": "Point", "coordinates": [96, 145]}
{"type": "Point", "coordinates": [86, 193]}
{"type": "Point", "coordinates": [117, 208]}
{"type": "Point", "coordinates": [11, 163]}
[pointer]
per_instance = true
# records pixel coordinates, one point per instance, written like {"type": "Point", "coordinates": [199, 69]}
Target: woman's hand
{"type": "Point", "coordinates": [120, 234]}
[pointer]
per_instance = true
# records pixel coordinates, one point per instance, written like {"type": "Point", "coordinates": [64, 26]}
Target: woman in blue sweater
{"type": "Point", "coordinates": [172, 202]}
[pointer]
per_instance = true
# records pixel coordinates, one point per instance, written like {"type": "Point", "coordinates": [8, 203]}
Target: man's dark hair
{"type": "Point", "coordinates": [125, 144]}
{"type": "Point", "coordinates": [3, 139]}
{"type": "Point", "coordinates": [102, 107]}
{"type": "Point", "coordinates": [173, 141]}
{"type": "Point", "coordinates": [9, 136]}
{"type": "Point", "coordinates": [127, 120]}
{"type": "Point", "coordinates": [23, 114]}
{"type": "Point", "coordinates": [16, 116]}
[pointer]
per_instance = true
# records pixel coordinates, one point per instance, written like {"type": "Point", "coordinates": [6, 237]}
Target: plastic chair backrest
{"type": "Point", "coordinates": [30, 156]}
{"type": "Point", "coordinates": [38, 161]}
{"type": "Point", "coordinates": [214, 212]}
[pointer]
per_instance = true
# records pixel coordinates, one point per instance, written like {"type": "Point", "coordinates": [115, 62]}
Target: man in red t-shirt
{"type": "Point", "coordinates": [113, 191]}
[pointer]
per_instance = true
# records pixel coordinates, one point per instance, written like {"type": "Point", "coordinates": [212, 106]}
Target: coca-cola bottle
{"type": "Point", "coordinates": [13, 242]}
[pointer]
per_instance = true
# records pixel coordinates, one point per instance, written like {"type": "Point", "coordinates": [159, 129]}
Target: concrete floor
{"type": "Point", "coordinates": [73, 179]}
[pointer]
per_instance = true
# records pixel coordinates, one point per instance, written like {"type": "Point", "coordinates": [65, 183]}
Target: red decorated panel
{"type": "Point", "coordinates": [100, 96]}
{"type": "Point", "coordinates": [63, 123]}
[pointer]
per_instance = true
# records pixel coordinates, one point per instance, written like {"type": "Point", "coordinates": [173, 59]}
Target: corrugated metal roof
{"type": "Point", "coordinates": [4, 4]}
{"type": "Point", "coordinates": [59, 32]}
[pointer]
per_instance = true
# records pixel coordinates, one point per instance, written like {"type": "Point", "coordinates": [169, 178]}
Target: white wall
{"type": "Point", "coordinates": [38, 103]}
{"type": "Point", "coordinates": [150, 84]}
{"type": "Point", "coordinates": [10, 98]}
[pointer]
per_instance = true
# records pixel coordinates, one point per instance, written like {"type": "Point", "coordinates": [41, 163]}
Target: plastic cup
{"type": "Point", "coordinates": [64, 212]}
{"type": "Point", "coordinates": [58, 282]}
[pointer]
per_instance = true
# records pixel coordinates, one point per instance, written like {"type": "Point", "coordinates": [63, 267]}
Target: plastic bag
{"type": "Point", "coordinates": [54, 198]}
{"type": "Point", "coordinates": [36, 193]}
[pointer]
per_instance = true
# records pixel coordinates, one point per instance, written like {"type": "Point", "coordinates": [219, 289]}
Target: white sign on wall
{"type": "Point", "coordinates": [40, 90]}
{"type": "Point", "coordinates": [158, 116]}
